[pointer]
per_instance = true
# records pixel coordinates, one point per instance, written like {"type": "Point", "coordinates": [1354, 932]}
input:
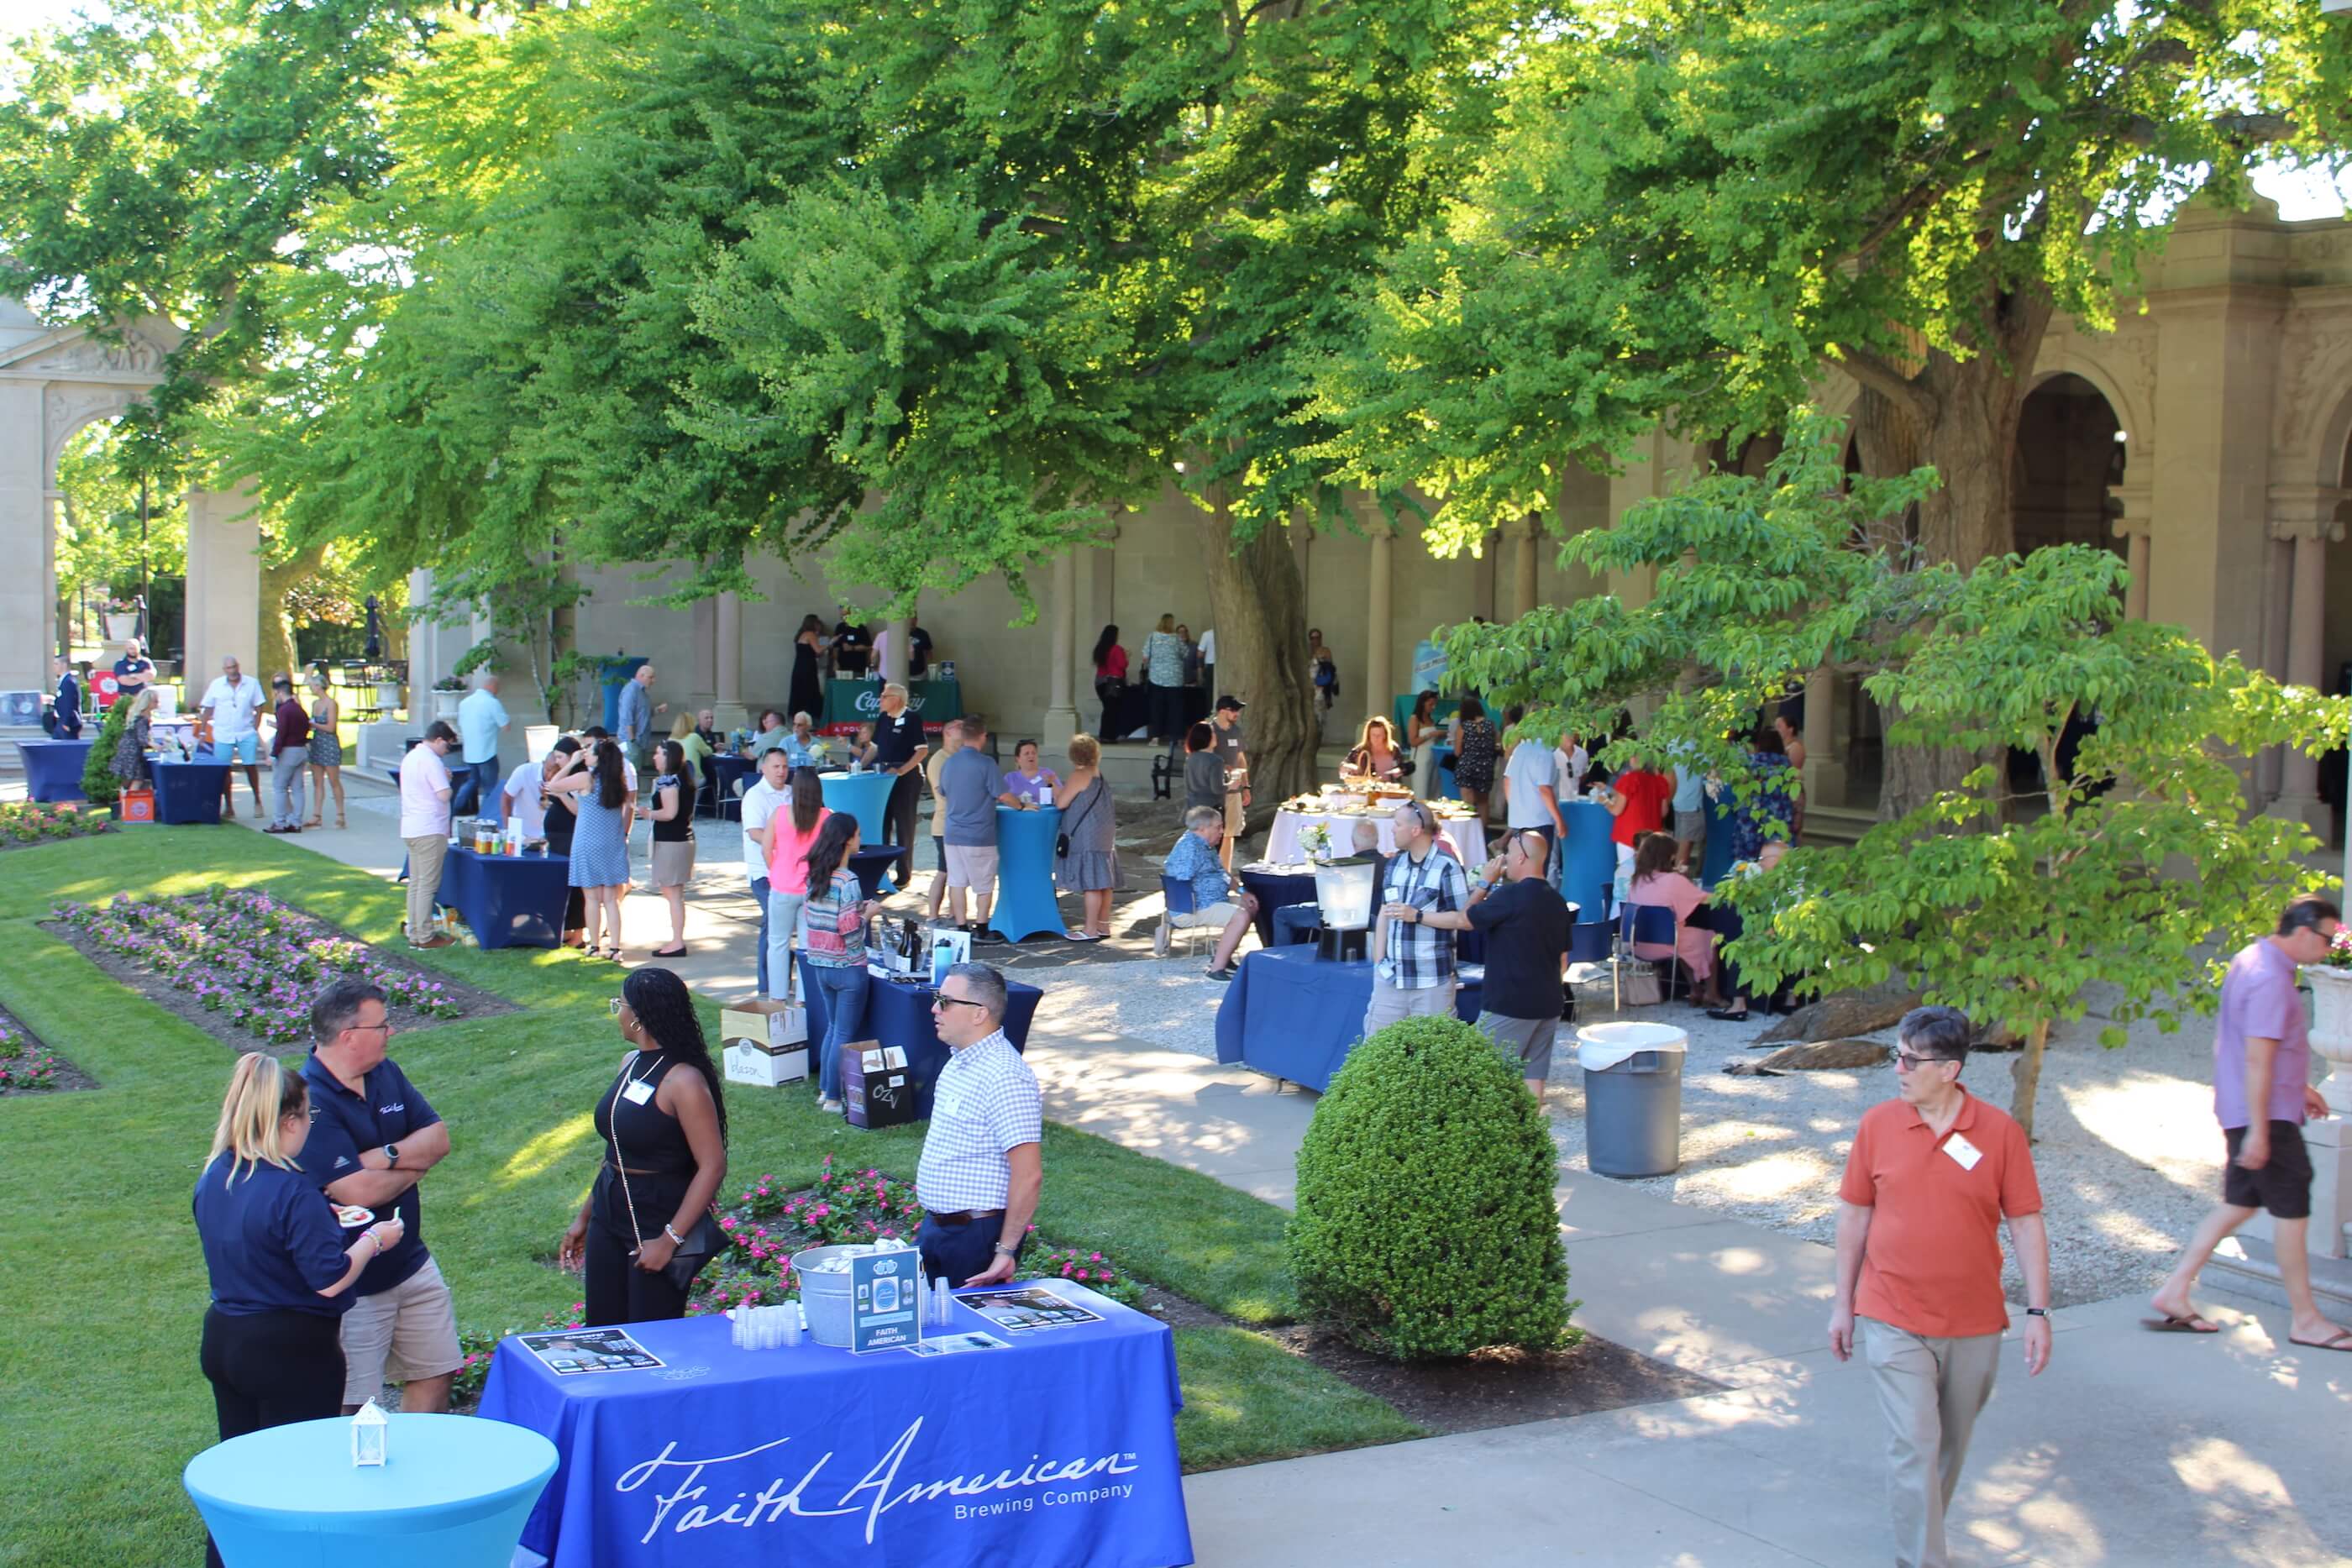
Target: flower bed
{"type": "Point", "coordinates": [27, 822]}
{"type": "Point", "coordinates": [251, 959]}
{"type": "Point", "coordinates": [26, 1064]}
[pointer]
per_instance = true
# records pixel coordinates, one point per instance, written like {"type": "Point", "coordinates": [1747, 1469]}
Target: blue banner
{"type": "Point", "coordinates": [1429, 663]}
{"type": "Point", "coordinates": [1057, 1451]}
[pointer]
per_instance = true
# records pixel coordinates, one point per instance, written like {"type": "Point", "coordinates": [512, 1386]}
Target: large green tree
{"type": "Point", "coordinates": [1693, 211]}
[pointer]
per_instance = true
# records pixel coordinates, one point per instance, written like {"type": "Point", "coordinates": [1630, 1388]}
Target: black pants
{"type": "Point", "coordinates": [270, 1369]}
{"type": "Point", "coordinates": [1167, 712]}
{"type": "Point", "coordinates": [618, 1292]}
{"type": "Point", "coordinates": [899, 821]}
{"type": "Point", "coordinates": [958, 1251]}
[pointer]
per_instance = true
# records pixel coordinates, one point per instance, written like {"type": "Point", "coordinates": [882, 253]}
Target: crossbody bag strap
{"type": "Point", "coordinates": [620, 1163]}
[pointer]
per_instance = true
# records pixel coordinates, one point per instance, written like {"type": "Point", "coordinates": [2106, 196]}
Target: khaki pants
{"type": "Point", "coordinates": [1929, 1390]}
{"type": "Point", "coordinates": [1390, 1003]}
{"type": "Point", "coordinates": [425, 858]}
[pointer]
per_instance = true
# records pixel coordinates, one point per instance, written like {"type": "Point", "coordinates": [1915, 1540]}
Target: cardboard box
{"type": "Point", "coordinates": [747, 1062]}
{"type": "Point", "coordinates": [877, 1090]}
{"type": "Point", "coordinates": [767, 1021]}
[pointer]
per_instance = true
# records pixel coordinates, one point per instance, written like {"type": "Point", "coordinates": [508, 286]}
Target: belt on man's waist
{"type": "Point", "coordinates": [968, 1215]}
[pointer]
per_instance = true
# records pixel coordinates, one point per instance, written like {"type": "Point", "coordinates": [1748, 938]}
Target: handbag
{"type": "Point", "coordinates": [701, 1243]}
{"type": "Point", "coordinates": [1640, 987]}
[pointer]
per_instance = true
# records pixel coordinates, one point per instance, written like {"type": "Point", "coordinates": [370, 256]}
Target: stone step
{"type": "Point", "coordinates": [2249, 1266]}
{"type": "Point", "coordinates": [1838, 824]}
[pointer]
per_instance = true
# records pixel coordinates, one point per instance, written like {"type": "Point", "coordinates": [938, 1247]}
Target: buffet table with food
{"type": "Point", "coordinates": [1036, 1425]}
{"type": "Point", "coordinates": [1335, 810]}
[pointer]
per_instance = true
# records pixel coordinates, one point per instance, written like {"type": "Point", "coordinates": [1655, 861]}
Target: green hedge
{"type": "Point", "coordinates": [98, 779]}
{"type": "Point", "coordinates": [1426, 1226]}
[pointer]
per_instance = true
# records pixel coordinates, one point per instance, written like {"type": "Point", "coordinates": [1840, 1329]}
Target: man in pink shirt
{"type": "Point", "coordinates": [2262, 1097]}
{"type": "Point", "coordinates": [425, 790]}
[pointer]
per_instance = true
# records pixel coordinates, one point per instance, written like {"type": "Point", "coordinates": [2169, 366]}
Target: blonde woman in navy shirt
{"type": "Point", "coordinates": [281, 1266]}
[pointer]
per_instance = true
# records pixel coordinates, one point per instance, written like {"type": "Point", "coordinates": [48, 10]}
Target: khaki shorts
{"type": "Point", "coordinates": [1218, 915]}
{"type": "Point", "coordinates": [1391, 1004]}
{"type": "Point", "coordinates": [400, 1335]}
{"type": "Point", "coordinates": [971, 865]}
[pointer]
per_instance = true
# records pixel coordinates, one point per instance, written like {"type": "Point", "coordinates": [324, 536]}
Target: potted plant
{"type": "Point", "coordinates": [2331, 1018]}
{"type": "Point", "coordinates": [121, 620]}
{"type": "Point", "coordinates": [447, 692]}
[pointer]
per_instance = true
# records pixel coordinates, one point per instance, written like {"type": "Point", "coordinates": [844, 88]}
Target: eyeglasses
{"type": "Point", "coordinates": [383, 1024]}
{"type": "Point", "coordinates": [1904, 1062]}
{"type": "Point", "coordinates": [939, 1002]}
{"type": "Point", "coordinates": [614, 1007]}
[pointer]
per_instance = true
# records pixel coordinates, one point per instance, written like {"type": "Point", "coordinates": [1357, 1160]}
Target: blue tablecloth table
{"type": "Point", "coordinates": [509, 901]}
{"type": "Point", "coordinates": [53, 769]}
{"type": "Point", "coordinates": [1276, 889]}
{"type": "Point", "coordinates": [872, 862]}
{"type": "Point", "coordinates": [864, 796]}
{"type": "Point", "coordinates": [725, 772]}
{"type": "Point", "coordinates": [1059, 1451]}
{"type": "Point", "coordinates": [900, 1015]}
{"type": "Point", "coordinates": [1024, 873]}
{"type": "Point", "coordinates": [1587, 864]}
{"type": "Point", "coordinates": [187, 793]}
{"type": "Point", "coordinates": [1291, 1015]}
{"type": "Point", "coordinates": [453, 1493]}
{"type": "Point", "coordinates": [1715, 861]}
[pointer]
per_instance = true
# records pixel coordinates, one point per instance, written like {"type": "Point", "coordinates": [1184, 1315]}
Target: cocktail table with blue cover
{"type": "Point", "coordinates": [1296, 1016]}
{"type": "Point", "coordinates": [899, 1014]}
{"type": "Point", "coordinates": [508, 901]}
{"type": "Point", "coordinates": [1024, 873]}
{"type": "Point", "coordinates": [864, 796]}
{"type": "Point", "coordinates": [1276, 888]}
{"type": "Point", "coordinates": [1056, 1451]}
{"type": "Point", "coordinates": [53, 769]}
{"type": "Point", "coordinates": [187, 793]}
{"type": "Point", "coordinates": [726, 771]}
{"type": "Point", "coordinates": [454, 1492]}
{"type": "Point", "coordinates": [873, 861]}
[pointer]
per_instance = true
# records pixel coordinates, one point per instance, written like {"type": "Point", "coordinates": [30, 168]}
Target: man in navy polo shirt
{"type": "Point", "coordinates": [372, 1137]}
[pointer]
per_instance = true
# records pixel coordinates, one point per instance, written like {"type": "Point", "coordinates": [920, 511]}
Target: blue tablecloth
{"type": "Point", "coordinates": [453, 1493]}
{"type": "Point", "coordinates": [1276, 889]}
{"type": "Point", "coordinates": [187, 792]}
{"type": "Point", "coordinates": [901, 1016]}
{"type": "Point", "coordinates": [871, 861]}
{"type": "Point", "coordinates": [862, 795]}
{"type": "Point", "coordinates": [53, 769]}
{"type": "Point", "coordinates": [725, 771]}
{"type": "Point", "coordinates": [1587, 866]}
{"type": "Point", "coordinates": [1715, 860]}
{"type": "Point", "coordinates": [1288, 1014]}
{"type": "Point", "coordinates": [508, 901]}
{"type": "Point", "coordinates": [1056, 1452]}
{"type": "Point", "coordinates": [1024, 873]}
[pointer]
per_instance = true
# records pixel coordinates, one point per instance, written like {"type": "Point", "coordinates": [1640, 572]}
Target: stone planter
{"type": "Point", "coordinates": [121, 628]}
{"type": "Point", "coordinates": [387, 696]}
{"type": "Point", "coordinates": [444, 705]}
{"type": "Point", "coordinates": [2331, 1031]}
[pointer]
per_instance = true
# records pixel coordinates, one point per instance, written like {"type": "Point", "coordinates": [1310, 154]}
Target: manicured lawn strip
{"type": "Point", "coordinates": [1247, 1399]}
{"type": "Point", "coordinates": [108, 1287]}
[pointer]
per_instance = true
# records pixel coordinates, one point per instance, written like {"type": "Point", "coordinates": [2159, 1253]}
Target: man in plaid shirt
{"type": "Point", "coordinates": [983, 1164]}
{"type": "Point", "coordinates": [1412, 976]}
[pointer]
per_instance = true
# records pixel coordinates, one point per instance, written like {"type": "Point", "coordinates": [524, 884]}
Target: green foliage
{"type": "Point", "coordinates": [97, 780]}
{"type": "Point", "coordinates": [1426, 1226]}
{"type": "Point", "coordinates": [98, 533]}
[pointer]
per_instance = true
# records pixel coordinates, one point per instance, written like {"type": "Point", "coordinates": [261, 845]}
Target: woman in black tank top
{"type": "Point", "coordinates": [663, 1125]}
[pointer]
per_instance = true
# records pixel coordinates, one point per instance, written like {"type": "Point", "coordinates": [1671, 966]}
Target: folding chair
{"type": "Point", "coordinates": [1652, 924]}
{"type": "Point", "coordinates": [1177, 893]}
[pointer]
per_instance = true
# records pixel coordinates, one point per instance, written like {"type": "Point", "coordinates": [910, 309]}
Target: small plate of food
{"type": "Point", "coordinates": [351, 1215]}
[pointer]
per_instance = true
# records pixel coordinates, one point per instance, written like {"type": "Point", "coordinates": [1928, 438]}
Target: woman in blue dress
{"type": "Point", "coordinates": [1773, 802]}
{"type": "Point", "coordinates": [600, 840]}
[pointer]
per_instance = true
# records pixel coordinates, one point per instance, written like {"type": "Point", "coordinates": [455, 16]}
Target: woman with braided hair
{"type": "Point", "coordinates": [664, 1123]}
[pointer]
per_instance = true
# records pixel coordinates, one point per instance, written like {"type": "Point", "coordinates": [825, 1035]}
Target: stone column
{"type": "Point", "coordinates": [28, 610]}
{"type": "Point", "coordinates": [1524, 547]}
{"type": "Point", "coordinates": [1379, 633]}
{"type": "Point", "coordinates": [424, 646]}
{"type": "Point", "coordinates": [223, 586]}
{"type": "Point", "coordinates": [1061, 654]}
{"type": "Point", "coordinates": [1826, 739]}
{"type": "Point", "coordinates": [2305, 516]}
{"type": "Point", "coordinates": [2278, 594]}
{"type": "Point", "coordinates": [894, 667]}
{"type": "Point", "coordinates": [727, 677]}
{"type": "Point", "coordinates": [2131, 525]}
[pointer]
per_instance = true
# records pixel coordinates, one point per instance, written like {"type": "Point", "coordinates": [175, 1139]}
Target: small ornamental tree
{"type": "Point", "coordinates": [1426, 1226]}
{"type": "Point", "coordinates": [98, 784]}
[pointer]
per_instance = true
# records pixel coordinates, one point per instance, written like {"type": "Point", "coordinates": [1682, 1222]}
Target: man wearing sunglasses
{"type": "Point", "coordinates": [1527, 925]}
{"type": "Point", "coordinates": [1413, 969]}
{"type": "Point", "coordinates": [982, 1166]}
{"type": "Point", "coordinates": [1932, 1174]}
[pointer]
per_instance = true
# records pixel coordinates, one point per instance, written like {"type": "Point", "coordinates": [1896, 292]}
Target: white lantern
{"type": "Point", "coordinates": [369, 1428]}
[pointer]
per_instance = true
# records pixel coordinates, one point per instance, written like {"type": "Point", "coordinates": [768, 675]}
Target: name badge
{"type": "Point", "coordinates": [637, 1093]}
{"type": "Point", "coordinates": [950, 1106]}
{"type": "Point", "coordinates": [1964, 1154]}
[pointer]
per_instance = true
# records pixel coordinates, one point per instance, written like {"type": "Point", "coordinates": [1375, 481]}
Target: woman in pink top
{"type": "Point", "coordinates": [791, 833]}
{"type": "Point", "coordinates": [1655, 882]}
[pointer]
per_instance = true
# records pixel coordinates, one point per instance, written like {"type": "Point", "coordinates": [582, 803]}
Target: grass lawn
{"type": "Point", "coordinates": [105, 1284]}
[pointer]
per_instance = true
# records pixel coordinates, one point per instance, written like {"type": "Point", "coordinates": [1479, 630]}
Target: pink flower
{"type": "Point", "coordinates": [1082, 1273]}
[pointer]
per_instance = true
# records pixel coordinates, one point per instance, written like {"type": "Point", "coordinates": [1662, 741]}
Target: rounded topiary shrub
{"type": "Point", "coordinates": [98, 784]}
{"type": "Point", "coordinates": [1426, 1226]}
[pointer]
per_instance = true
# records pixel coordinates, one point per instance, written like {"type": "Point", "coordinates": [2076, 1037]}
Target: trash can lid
{"type": "Point", "coordinates": [1601, 1046]}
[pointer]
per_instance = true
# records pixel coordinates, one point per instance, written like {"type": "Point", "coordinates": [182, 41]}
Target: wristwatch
{"type": "Point", "coordinates": [1002, 1250]}
{"type": "Point", "coordinates": [391, 1152]}
{"type": "Point", "coordinates": [2037, 1311]}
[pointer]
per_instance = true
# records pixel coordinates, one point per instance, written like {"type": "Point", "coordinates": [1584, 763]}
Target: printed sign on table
{"type": "Point", "coordinates": [573, 1352]}
{"type": "Point", "coordinates": [886, 1310]}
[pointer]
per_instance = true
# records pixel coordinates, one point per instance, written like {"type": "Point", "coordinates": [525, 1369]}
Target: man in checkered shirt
{"type": "Point", "coordinates": [983, 1164]}
{"type": "Point", "coordinates": [1412, 975]}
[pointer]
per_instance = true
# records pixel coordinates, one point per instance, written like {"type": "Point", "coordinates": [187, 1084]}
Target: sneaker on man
{"type": "Point", "coordinates": [438, 939]}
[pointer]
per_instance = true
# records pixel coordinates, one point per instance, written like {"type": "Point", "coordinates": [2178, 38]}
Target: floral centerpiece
{"type": "Point", "coordinates": [1315, 841]}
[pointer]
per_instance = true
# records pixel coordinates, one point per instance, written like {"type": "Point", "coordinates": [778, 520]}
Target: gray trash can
{"type": "Point", "coordinates": [1632, 1097]}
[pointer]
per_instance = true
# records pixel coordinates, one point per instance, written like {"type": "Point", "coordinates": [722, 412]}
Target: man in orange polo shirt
{"type": "Point", "coordinates": [1918, 1263]}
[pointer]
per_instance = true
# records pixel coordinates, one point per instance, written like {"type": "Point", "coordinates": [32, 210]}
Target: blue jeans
{"type": "Point", "coordinates": [844, 986]}
{"type": "Point", "coordinates": [476, 789]}
{"type": "Point", "coordinates": [759, 896]}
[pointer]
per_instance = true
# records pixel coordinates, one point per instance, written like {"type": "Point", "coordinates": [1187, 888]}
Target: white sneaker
{"type": "Point", "coordinates": [1160, 941]}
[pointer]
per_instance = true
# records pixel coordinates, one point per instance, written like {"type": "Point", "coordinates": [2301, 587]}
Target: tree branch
{"type": "Point", "coordinates": [1882, 377]}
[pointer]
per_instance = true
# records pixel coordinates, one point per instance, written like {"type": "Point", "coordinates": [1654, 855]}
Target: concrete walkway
{"type": "Point", "coordinates": [2135, 1449]}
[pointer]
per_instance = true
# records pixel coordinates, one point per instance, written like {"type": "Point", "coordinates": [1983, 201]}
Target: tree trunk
{"type": "Point", "coordinates": [1259, 605]}
{"type": "Point", "coordinates": [2025, 1077]}
{"type": "Point", "coordinates": [1959, 417]}
{"type": "Point", "coordinates": [273, 648]}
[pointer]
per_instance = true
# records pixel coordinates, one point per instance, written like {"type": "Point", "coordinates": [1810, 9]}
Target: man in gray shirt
{"type": "Point", "coordinates": [969, 785]}
{"type": "Point", "coordinates": [636, 718]}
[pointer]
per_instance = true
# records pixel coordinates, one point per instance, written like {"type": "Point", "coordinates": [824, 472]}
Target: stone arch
{"type": "Point", "coordinates": [2132, 413]}
{"type": "Point", "coordinates": [2069, 451]}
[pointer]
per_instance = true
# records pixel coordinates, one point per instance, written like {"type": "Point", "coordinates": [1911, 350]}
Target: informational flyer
{"type": "Point", "coordinates": [959, 1343]}
{"type": "Point", "coordinates": [1027, 1308]}
{"type": "Point", "coordinates": [572, 1353]}
{"type": "Point", "coordinates": [885, 1307]}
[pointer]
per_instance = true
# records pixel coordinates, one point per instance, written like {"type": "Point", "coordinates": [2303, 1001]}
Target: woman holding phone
{"type": "Point", "coordinates": [280, 1262]}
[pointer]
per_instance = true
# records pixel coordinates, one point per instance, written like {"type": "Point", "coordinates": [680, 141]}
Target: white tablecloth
{"type": "Point", "coordinates": [1468, 839]}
